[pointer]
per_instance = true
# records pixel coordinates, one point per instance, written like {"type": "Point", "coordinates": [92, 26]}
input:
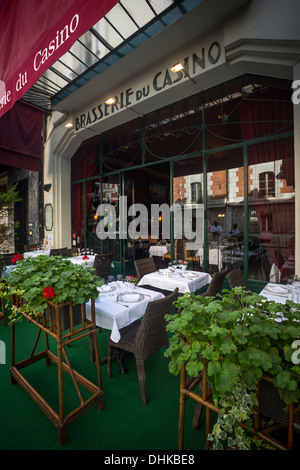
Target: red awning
{"type": "Point", "coordinates": [36, 33]}
{"type": "Point", "coordinates": [21, 137]}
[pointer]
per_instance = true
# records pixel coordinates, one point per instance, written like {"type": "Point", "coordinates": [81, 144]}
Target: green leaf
{"type": "Point", "coordinates": [224, 375]}
{"type": "Point", "coordinates": [284, 380]}
{"type": "Point", "coordinates": [241, 334]}
{"type": "Point", "coordinates": [227, 346]}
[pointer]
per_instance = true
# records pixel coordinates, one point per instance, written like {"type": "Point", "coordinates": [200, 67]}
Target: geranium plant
{"type": "Point", "coordinates": [42, 278]}
{"type": "Point", "coordinates": [240, 338]}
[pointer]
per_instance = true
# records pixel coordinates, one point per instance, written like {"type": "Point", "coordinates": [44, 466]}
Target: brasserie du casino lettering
{"type": "Point", "coordinates": [161, 80]}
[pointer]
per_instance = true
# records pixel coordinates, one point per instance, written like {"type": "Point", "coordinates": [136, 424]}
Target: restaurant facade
{"type": "Point", "coordinates": [218, 138]}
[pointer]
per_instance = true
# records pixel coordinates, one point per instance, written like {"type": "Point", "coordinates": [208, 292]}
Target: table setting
{"type": "Point", "coordinates": [83, 260]}
{"type": "Point", "coordinates": [119, 304]}
{"type": "Point", "coordinates": [282, 292]}
{"type": "Point", "coordinates": [169, 278]}
{"type": "Point", "coordinates": [34, 253]}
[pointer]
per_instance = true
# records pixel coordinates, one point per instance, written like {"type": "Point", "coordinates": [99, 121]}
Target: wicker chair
{"type": "Point", "coordinates": [146, 266]}
{"type": "Point", "coordinates": [30, 247]}
{"type": "Point", "coordinates": [102, 265]}
{"type": "Point", "coordinates": [56, 251]}
{"type": "Point", "coordinates": [145, 338]}
{"type": "Point", "coordinates": [236, 279]}
{"type": "Point", "coordinates": [67, 252]}
{"type": "Point", "coordinates": [216, 284]}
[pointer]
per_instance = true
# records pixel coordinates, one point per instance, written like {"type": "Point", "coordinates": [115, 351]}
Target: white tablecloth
{"type": "Point", "coordinates": [33, 253]}
{"type": "Point", "coordinates": [83, 262]}
{"type": "Point", "coordinates": [158, 250]}
{"type": "Point", "coordinates": [277, 292]}
{"type": "Point", "coordinates": [114, 315]}
{"type": "Point", "coordinates": [214, 257]}
{"type": "Point", "coordinates": [176, 279]}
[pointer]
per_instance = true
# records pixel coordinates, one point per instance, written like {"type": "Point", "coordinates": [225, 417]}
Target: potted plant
{"type": "Point", "coordinates": [40, 279]}
{"type": "Point", "coordinates": [239, 337]}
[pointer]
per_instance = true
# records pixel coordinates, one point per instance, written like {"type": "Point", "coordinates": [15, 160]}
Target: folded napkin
{"type": "Point", "coordinates": [277, 289]}
{"type": "Point", "coordinates": [189, 275]}
{"type": "Point", "coordinates": [130, 297]}
{"type": "Point", "coordinates": [105, 288]}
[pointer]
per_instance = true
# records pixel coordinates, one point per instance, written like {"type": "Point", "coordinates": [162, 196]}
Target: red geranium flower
{"type": "Point", "coordinates": [48, 292]}
{"type": "Point", "coordinates": [85, 257]}
{"type": "Point", "coordinates": [16, 258]}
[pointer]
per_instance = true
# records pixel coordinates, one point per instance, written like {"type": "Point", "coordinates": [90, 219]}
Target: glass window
{"type": "Point", "coordinates": [225, 210]}
{"type": "Point", "coordinates": [271, 210]}
{"type": "Point", "coordinates": [267, 184]}
{"type": "Point", "coordinates": [196, 192]}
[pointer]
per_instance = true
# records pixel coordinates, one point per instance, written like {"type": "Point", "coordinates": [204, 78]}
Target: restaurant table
{"type": "Point", "coordinates": [276, 292]}
{"type": "Point", "coordinates": [186, 281]}
{"type": "Point", "coordinates": [113, 314]}
{"type": "Point", "coordinates": [158, 250]}
{"type": "Point", "coordinates": [88, 262]}
{"type": "Point", "coordinates": [115, 309]}
{"type": "Point", "coordinates": [33, 253]}
{"type": "Point", "coordinates": [214, 257]}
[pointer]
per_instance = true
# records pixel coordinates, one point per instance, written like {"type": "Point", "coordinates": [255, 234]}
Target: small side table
{"type": "Point", "coordinates": [51, 322]}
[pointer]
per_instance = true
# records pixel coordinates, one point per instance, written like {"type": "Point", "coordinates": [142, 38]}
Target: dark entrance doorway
{"type": "Point", "coordinates": [21, 216]}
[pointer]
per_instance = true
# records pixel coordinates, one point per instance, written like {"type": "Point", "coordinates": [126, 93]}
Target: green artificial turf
{"type": "Point", "coordinates": [124, 424]}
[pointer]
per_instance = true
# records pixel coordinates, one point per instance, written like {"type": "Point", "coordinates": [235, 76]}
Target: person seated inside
{"type": "Point", "coordinates": [234, 230]}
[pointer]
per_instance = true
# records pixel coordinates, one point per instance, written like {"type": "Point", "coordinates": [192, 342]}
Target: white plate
{"type": "Point", "coordinates": [130, 297]}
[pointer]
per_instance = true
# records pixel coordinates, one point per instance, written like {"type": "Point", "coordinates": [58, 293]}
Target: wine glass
{"type": "Point", "coordinates": [119, 279]}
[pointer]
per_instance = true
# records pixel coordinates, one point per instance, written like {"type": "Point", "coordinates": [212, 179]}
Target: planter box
{"type": "Point", "coordinates": [272, 407]}
{"type": "Point", "coordinates": [65, 322]}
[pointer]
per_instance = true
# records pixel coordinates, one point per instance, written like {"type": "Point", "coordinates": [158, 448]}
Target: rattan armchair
{"type": "Point", "coordinates": [30, 247]}
{"type": "Point", "coordinates": [67, 252]}
{"type": "Point", "coordinates": [145, 338]}
{"type": "Point", "coordinates": [236, 279]}
{"type": "Point", "coordinates": [102, 264]}
{"type": "Point", "coordinates": [216, 284]}
{"type": "Point", "coordinates": [146, 266]}
{"type": "Point", "coordinates": [56, 251]}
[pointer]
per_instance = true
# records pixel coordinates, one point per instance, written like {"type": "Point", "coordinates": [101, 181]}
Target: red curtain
{"type": "Point", "coordinates": [83, 166]}
{"type": "Point", "coordinates": [21, 137]}
{"type": "Point", "coordinates": [35, 34]}
{"type": "Point", "coordinates": [260, 117]}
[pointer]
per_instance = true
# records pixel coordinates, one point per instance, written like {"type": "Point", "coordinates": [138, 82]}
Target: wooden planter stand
{"type": "Point", "coordinates": [203, 399]}
{"type": "Point", "coordinates": [52, 325]}
{"type": "Point", "coordinates": [2, 312]}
